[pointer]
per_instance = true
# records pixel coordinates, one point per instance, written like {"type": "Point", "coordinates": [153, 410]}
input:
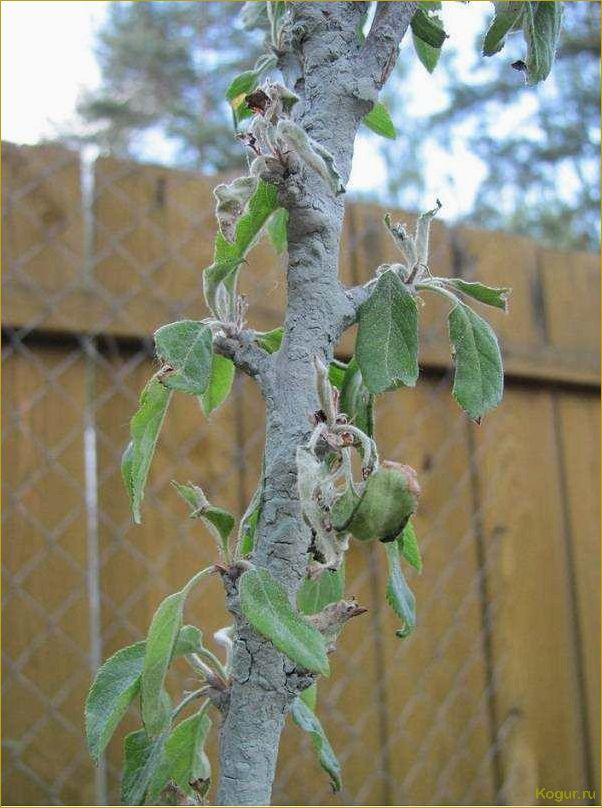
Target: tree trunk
{"type": "Point", "coordinates": [338, 79]}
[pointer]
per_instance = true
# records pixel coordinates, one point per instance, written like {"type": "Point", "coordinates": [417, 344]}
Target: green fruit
{"type": "Point", "coordinates": [389, 498]}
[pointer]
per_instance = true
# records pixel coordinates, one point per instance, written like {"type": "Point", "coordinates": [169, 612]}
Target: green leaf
{"type": "Point", "coordinates": [270, 341]}
{"type": "Point", "coordinates": [184, 760]}
{"type": "Point", "coordinates": [245, 83]}
{"type": "Point", "coordinates": [127, 467]}
{"type": "Point", "coordinates": [408, 546]}
{"type": "Point", "coordinates": [507, 16]}
{"type": "Point", "coordinates": [160, 649]}
{"type": "Point", "coordinates": [228, 256]}
{"type": "Point", "coordinates": [219, 522]}
{"type": "Point", "coordinates": [428, 56]}
{"type": "Point", "coordinates": [428, 28]}
{"type": "Point", "coordinates": [220, 384]}
{"type": "Point", "coordinates": [267, 608]}
{"type": "Point", "coordinates": [399, 595]}
{"type": "Point", "coordinates": [314, 595]}
{"type": "Point", "coordinates": [277, 224]}
{"type": "Point", "coordinates": [379, 120]}
{"type": "Point", "coordinates": [116, 684]}
{"type": "Point", "coordinates": [160, 643]}
{"type": "Point", "coordinates": [141, 758]}
{"type": "Point", "coordinates": [541, 26]}
{"type": "Point", "coordinates": [253, 14]}
{"type": "Point", "coordinates": [355, 399]}
{"type": "Point", "coordinates": [490, 295]}
{"type": "Point", "coordinates": [387, 339]}
{"type": "Point", "coordinates": [145, 427]}
{"type": "Point", "coordinates": [336, 373]}
{"type": "Point", "coordinates": [310, 696]}
{"type": "Point", "coordinates": [249, 522]}
{"type": "Point", "coordinates": [189, 641]}
{"type": "Point", "coordinates": [307, 720]}
{"type": "Point", "coordinates": [479, 376]}
{"type": "Point", "coordinates": [187, 347]}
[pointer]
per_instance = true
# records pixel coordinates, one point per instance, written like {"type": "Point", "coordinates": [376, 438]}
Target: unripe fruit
{"type": "Point", "coordinates": [389, 498]}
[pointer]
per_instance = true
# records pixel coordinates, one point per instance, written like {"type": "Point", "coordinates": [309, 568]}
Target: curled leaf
{"type": "Point", "coordinates": [232, 199]}
{"type": "Point", "coordinates": [293, 137]}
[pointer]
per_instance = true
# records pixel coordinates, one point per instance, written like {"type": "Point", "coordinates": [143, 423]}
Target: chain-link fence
{"type": "Point", "coordinates": [495, 694]}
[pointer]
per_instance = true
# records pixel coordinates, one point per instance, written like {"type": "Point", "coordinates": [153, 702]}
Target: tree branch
{"type": "Point", "coordinates": [381, 47]}
{"type": "Point", "coordinates": [246, 354]}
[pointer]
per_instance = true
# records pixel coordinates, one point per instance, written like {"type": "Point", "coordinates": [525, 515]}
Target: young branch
{"type": "Point", "coordinates": [381, 47]}
{"type": "Point", "coordinates": [246, 354]}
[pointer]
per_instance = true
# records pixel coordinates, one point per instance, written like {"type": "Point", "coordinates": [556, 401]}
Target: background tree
{"type": "Point", "coordinates": [164, 71]}
{"type": "Point", "coordinates": [539, 147]}
{"type": "Point", "coordinates": [323, 483]}
{"type": "Point", "coordinates": [164, 67]}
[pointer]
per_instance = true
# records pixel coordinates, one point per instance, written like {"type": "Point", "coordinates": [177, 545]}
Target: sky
{"type": "Point", "coordinates": [39, 94]}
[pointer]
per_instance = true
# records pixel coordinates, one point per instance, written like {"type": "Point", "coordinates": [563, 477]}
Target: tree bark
{"type": "Point", "coordinates": [338, 79]}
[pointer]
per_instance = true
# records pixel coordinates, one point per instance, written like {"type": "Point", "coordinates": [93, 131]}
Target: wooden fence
{"type": "Point", "coordinates": [496, 694]}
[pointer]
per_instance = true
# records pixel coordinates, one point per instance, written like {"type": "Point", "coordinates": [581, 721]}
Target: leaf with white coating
{"type": "Point", "coordinates": [219, 522]}
{"type": "Point", "coordinates": [277, 224]}
{"type": "Point", "coordinates": [307, 720]}
{"type": "Point", "coordinates": [387, 339]}
{"type": "Point", "coordinates": [228, 256]}
{"type": "Point", "coordinates": [160, 642]}
{"type": "Point", "coordinates": [479, 376]}
{"type": "Point", "coordinates": [293, 137]}
{"type": "Point", "coordinates": [408, 546]}
{"type": "Point", "coordinates": [220, 384]}
{"type": "Point", "coordinates": [399, 595]}
{"type": "Point", "coordinates": [145, 427]}
{"type": "Point", "coordinates": [507, 16]}
{"type": "Point", "coordinates": [423, 231]}
{"type": "Point", "coordinates": [117, 683]}
{"type": "Point", "coordinates": [184, 760]}
{"type": "Point", "coordinates": [489, 295]}
{"type": "Point", "coordinates": [265, 605]}
{"type": "Point", "coordinates": [141, 758]}
{"type": "Point", "coordinates": [232, 198]}
{"type": "Point", "coordinates": [316, 593]}
{"type": "Point", "coordinates": [187, 348]}
{"type": "Point", "coordinates": [541, 26]}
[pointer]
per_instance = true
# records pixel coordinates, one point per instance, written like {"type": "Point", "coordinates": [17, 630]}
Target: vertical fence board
{"type": "Point", "coordinates": [537, 693]}
{"type": "Point", "coordinates": [580, 442]}
{"type": "Point", "coordinates": [43, 237]}
{"type": "Point", "coordinates": [46, 639]}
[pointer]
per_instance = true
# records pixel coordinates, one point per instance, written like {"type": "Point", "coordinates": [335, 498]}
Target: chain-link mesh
{"type": "Point", "coordinates": [95, 258]}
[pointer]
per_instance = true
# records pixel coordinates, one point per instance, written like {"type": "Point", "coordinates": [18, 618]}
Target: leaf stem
{"type": "Point", "coordinates": [211, 657]}
{"type": "Point", "coordinates": [196, 694]}
{"type": "Point", "coordinates": [440, 290]}
{"type": "Point", "coordinates": [196, 578]}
